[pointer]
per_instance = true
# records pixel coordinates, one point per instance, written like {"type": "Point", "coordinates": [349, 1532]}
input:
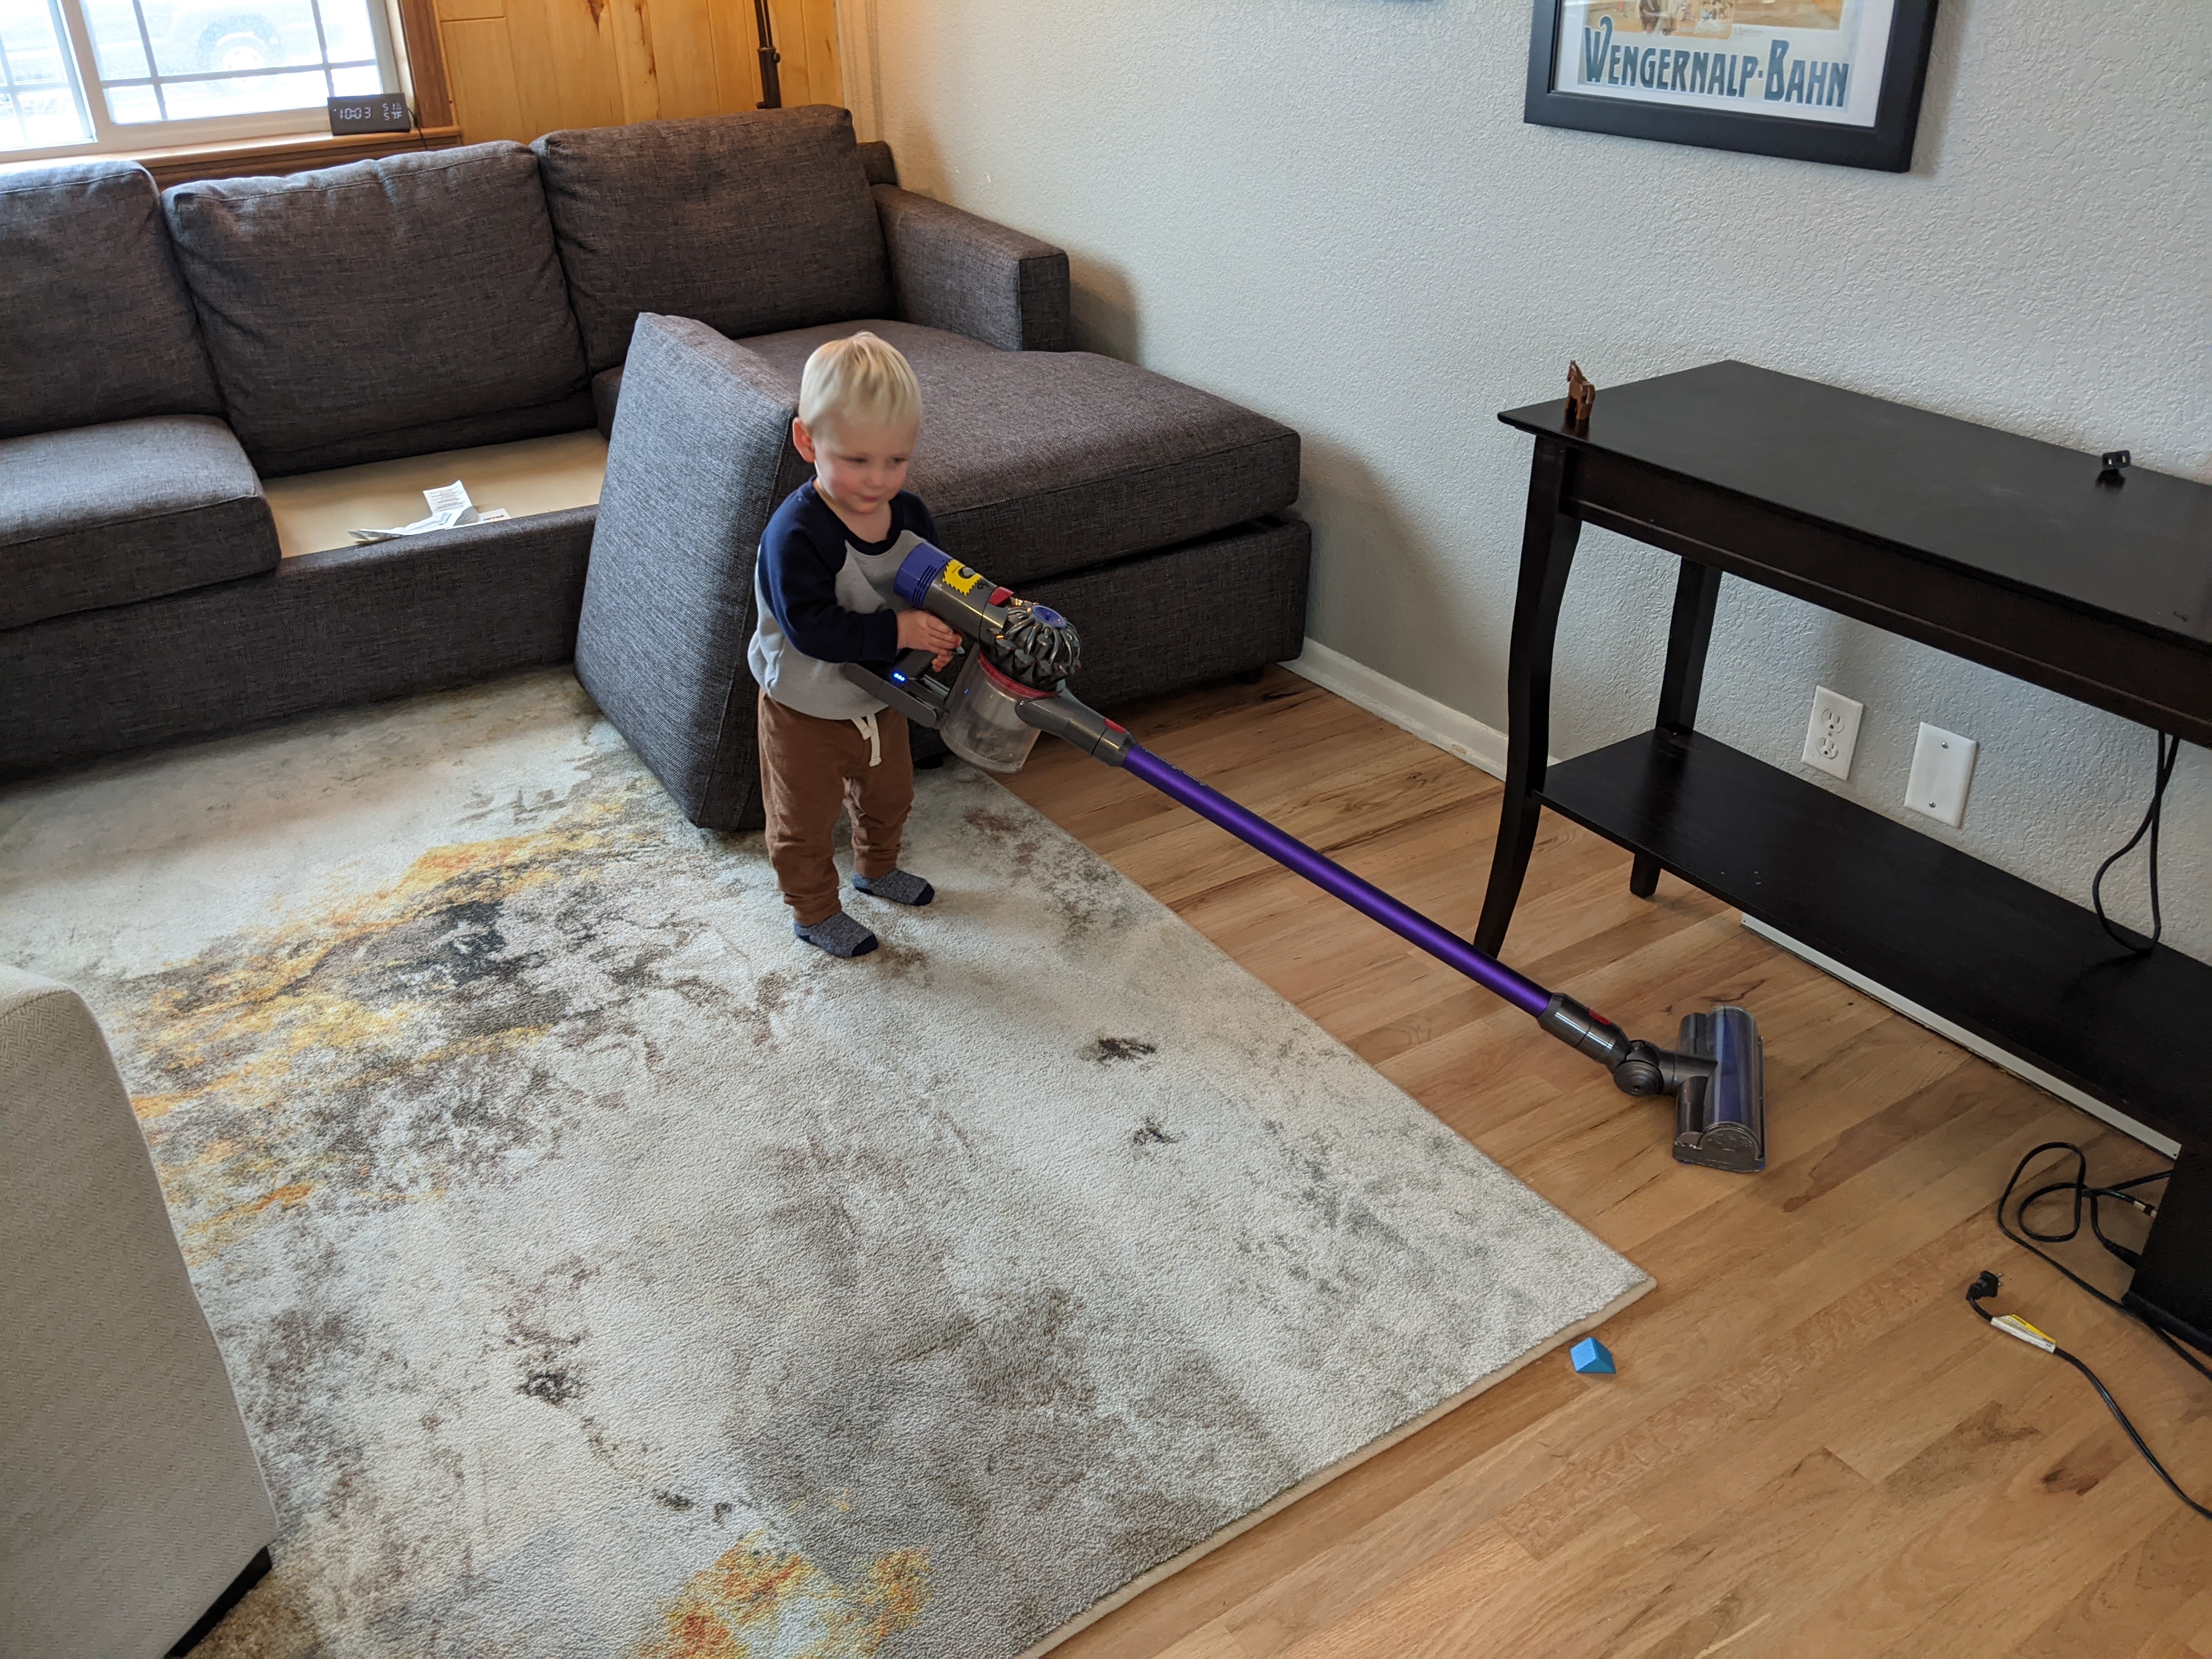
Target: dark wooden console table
{"type": "Point", "coordinates": [2005, 551]}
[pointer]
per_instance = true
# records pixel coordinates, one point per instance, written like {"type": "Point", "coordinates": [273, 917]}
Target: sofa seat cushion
{"type": "Point", "coordinates": [317, 512]}
{"type": "Point", "coordinates": [101, 515]}
{"type": "Point", "coordinates": [1034, 463]}
{"type": "Point", "coordinates": [349, 309]}
{"type": "Point", "coordinates": [95, 324]}
{"type": "Point", "coordinates": [747, 222]}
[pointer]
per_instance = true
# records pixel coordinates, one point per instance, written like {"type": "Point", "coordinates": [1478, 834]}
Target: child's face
{"type": "Point", "coordinates": [859, 465]}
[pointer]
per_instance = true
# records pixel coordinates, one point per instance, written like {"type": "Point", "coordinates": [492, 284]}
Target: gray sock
{"type": "Point", "coordinates": [840, 935]}
{"type": "Point", "coordinates": [900, 887]}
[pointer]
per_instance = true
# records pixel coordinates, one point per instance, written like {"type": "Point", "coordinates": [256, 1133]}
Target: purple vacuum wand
{"type": "Point", "coordinates": [1716, 1073]}
{"type": "Point", "coordinates": [1716, 1076]}
{"type": "Point", "coordinates": [1326, 873]}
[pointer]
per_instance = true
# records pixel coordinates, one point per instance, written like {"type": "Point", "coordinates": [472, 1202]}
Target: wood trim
{"type": "Point", "coordinates": [290, 152]}
{"type": "Point", "coordinates": [425, 53]}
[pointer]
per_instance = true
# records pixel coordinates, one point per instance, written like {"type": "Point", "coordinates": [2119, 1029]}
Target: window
{"type": "Point", "coordinates": [79, 76]}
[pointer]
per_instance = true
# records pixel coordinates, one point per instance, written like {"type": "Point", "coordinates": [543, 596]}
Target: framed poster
{"type": "Point", "coordinates": [1818, 80]}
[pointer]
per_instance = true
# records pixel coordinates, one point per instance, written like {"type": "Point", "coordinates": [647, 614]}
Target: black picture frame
{"type": "Point", "coordinates": [1887, 146]}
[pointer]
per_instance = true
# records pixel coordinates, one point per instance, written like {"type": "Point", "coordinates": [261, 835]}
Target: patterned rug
{"type": "Point", "coordinates": [602, 1272]}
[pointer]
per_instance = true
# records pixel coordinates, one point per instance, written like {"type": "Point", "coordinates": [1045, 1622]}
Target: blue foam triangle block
{"type": "Point", "coordinates": [1592, 1357]}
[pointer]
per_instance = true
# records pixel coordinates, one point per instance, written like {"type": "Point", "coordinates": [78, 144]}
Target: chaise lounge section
{"type": "Point", "coordinates": [702, 454]}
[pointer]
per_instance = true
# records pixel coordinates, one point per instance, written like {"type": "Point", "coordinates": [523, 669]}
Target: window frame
{"type": "Point", "coordinates": [112, 137]}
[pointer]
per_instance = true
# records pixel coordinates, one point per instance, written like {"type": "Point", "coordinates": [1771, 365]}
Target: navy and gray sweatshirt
{"type": "Point", "coordinates": [825, 597]}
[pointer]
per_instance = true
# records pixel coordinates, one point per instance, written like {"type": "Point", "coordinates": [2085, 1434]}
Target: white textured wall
{"type": "Point", "coordinates": [1331, 211]}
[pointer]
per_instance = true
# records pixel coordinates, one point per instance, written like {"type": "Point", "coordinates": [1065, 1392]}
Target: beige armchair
{"type": "Point", "coordinates": [131, 1508]}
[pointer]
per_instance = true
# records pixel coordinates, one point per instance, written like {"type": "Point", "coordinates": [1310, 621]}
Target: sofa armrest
{"type": "Point", "coordinates": [876, 162]}
{"type": "Point", "coordinates": [952, 271]}
{"type": "Point", "coordinates": [700, 458]}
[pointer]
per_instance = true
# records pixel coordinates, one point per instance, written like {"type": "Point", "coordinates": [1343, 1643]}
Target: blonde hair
{"type": "Point", "coordinates": [863, 378]}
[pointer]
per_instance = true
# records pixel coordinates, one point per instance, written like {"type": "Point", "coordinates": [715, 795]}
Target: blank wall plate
{"type": "Point", "coordinates": [1833, 732]}
{"type": "Point", "coordinates": [1943, 773]}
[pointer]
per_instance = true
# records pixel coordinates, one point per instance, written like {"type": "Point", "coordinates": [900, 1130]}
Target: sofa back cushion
{"type": "Point", "coordinates": [747, 222]}
{"type": "Point", "coordinates": [350, 309]}
{"type": "Point", "coordinates": [95, 325]}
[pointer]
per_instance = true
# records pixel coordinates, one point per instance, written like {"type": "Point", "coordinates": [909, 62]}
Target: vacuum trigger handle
{"type": "Point", "coordinates": [912, 664]}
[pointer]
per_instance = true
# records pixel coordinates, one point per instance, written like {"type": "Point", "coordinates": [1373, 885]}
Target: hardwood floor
{"type": "Point", "coordinates": [1813, 1447]}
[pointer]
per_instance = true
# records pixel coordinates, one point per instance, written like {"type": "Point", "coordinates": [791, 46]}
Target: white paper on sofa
{"type": "Point", "coordinates": [449, 506]}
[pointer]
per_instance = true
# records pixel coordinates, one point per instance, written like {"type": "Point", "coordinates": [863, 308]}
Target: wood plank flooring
{"type": "Point", "coordinates": [1813, 1447]}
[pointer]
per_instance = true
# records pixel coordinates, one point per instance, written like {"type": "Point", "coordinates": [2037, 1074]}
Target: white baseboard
{"type": "Point", "coordinates": [1967, 1040]}
{"type": "Point", "coordinates": [1404, 707]}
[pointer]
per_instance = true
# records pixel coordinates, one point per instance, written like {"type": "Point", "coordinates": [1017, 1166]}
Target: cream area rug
{"type": "Point", "coordinates": [603, 1271]}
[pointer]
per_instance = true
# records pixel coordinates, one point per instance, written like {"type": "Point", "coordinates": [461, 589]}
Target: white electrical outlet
{"type": "Point", "coordinates": [1942, 772]}
{"type": "Point", "coordinates": [1833, 732]}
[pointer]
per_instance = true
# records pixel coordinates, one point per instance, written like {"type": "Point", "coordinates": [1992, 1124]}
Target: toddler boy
{"type": "Point", "coordinates": [823, 589]}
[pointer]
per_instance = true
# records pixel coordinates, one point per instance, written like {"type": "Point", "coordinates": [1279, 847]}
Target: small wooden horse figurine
{"type": "Point", "coordinates": [1580, 394]}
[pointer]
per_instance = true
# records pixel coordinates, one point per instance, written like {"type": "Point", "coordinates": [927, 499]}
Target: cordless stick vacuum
{"type": "Point", "coordinates": [1008, 683]}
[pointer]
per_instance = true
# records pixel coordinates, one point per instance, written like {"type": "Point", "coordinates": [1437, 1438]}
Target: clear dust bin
{"type": "Point", "coordinates": [982, 721]}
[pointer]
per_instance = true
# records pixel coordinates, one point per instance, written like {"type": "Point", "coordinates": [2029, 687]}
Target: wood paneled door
{"type": "Point", "coordinates": [519, 68]}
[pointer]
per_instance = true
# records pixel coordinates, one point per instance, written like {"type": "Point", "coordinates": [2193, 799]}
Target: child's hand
{"type": "Point", "coordinates": [919, 628]}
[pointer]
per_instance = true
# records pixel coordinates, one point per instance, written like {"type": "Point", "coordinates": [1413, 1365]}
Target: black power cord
{"type": "Point", "coordinates": [2014, 1325]}
{"type": "Point", "coordinates": [2082, 1194]}
{"type": "Point", "coordinates": [2166, 751]}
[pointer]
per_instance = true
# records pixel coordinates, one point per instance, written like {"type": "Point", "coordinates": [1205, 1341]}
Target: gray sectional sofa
{"type": "Point", "coordinates": [161, 355]}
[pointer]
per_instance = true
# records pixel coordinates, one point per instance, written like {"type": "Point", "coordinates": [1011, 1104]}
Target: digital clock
{"type": "Point", "coordinates": [381, 112]}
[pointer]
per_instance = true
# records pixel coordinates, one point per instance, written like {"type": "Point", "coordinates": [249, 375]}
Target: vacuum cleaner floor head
{"type": "Point", "coordinates": [1720, 1120]}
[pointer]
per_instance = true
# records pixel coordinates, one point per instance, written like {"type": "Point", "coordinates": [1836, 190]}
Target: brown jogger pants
{"type": "Point", "coordinates": [810, 767]}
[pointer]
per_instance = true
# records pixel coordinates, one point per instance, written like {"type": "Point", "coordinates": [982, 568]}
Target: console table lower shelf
{"type": "Point", "coordinates": [2024, 969]}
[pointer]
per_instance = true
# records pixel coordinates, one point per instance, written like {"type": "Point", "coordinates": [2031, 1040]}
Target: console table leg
{"type": "Point", "coordinates": [1696, 590]}
{"type": "Point", "coordinates": [2172, 1284]}
{"type": "Point", "coordinates": [1547, 553]}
